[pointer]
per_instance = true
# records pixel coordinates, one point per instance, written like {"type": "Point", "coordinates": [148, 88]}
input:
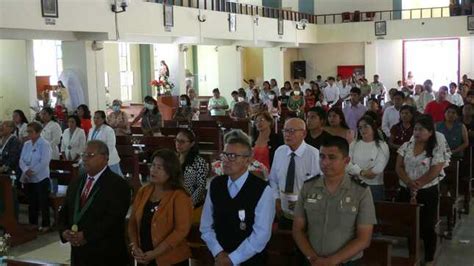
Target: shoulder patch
{"type": "Point", "coordinates": [316, 177]}
{"type": "Point", "coordinates": [359, 181]}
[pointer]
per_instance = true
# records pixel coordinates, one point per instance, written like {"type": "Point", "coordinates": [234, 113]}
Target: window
{"type": "Point", "coordinates": [126, 77]}
{"type": "Point", "coordinates": [48, 59]}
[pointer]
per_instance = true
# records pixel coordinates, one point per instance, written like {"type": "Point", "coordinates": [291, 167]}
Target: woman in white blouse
{"type": "Point", "coordinates": [102, 131]}
{"type": "Point", "coordinates": [74, 140]}
{"type": "Point", "coordinates": [52, 131]}
{"type": "Point", "coordinates": [369, 155]}
{"type": "Point", "coordinates": [420, 164]}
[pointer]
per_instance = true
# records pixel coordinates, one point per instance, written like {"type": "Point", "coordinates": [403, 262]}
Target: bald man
{"type": "Point", "coordinates": [10, 147]}
{"type": "Point", "coordinates": [293, 164]}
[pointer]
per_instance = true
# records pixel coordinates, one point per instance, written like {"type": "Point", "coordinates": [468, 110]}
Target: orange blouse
{"type": "Point", "coordinates": [170, 224]}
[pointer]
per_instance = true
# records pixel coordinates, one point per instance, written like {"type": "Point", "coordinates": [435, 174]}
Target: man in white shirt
{"type": "Point", "coordinates": [249, 90]}
{"type": "Point", "coordinates": [426, 96]}
{"type": "Point", "coordinates": [344, 90]}
{"type": "Point", "coordinates": [331, 91]}
{"type": "Point", "coordinates": [217, 104]}
{"type": "Point", "coordinates": [304, 85]}
{"type": "Point", "coordinates": [320, 82]}
{"type": "Point", "coordinates": [453, 96]}
{"type": "Point", "coordinates": [293, 163]}
{"type": "Point", "coordinates": [377, 88]}
{"type": "Point", "coordinates": [391, 115]}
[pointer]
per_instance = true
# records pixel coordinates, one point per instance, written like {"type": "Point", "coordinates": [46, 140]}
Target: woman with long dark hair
{"type": "Point", "coordinates": [151, 117]}
{"type": "Point", "coordinates": [21, 122]}
{"type": "Point", "coordinates": [454, 131]}
{"type": "Point", "coordinates": [420, 164]}
{"type": "Point", "coordinates": [369, 155]}
{"type": "Point", "coordinates": [85, 115]}
{"type": "Point", "coordinates": [161, 215]}
{"type": "Point", "coordinates": [336, 124]}
{"type": "Point", "coordinates": [402, 132]}
{"type": "Point", "coordinates": [195, 168]}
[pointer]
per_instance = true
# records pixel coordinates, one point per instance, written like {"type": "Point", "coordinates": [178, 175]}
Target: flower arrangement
{"type": "Point", "coordinates": [4, 244]}
{"type": "Point", "coordinates": [162, 85]}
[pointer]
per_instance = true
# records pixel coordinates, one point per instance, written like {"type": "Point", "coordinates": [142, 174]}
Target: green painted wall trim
{"type": "Point", "coordinates": [195, 69]}
{"type": "Point", "coordinates": [397, 5]}
{"type": "Point", "coordinates": [145, 69]}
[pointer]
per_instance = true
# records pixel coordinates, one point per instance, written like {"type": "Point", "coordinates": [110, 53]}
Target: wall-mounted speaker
{"type": "Point", "coordinates": [298, 69]}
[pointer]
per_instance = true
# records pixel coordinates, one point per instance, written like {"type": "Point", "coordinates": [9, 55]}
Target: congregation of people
{"type": "Point", "coordinates": [313, 164]}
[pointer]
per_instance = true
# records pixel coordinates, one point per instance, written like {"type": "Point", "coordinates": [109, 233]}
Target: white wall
{"type": "Point", "coordinates": [17, 81]}
{"type": "Point", "coordinates": [273, 60]}
{"type": "Point", "coordinates": [389, 62]}
{"type": "Point", "coordinates": [230, 70]}
{"type": "Point", "coordinates": [339, 6]}
{"type": "Point", "coordinates": [208, 75]}
{"type": "Point", "coordinates": [112, 67]}
{"type": "Point", "coordinates": [323, 59]}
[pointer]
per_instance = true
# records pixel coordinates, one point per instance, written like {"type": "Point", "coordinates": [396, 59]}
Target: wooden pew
{"type": "Point", "coordinates": [64, 172]}
{"type": "Point", "coordinates": [281, 249]}
{"type": "Point", "coordinates": [379, 253]}
{"type": "Point", "coordinates": [199, 251]}
{"type": "Point", "coordinates": [449, 200]}
{"type": "Point", "coordinates": [391, 184]}
{"type": "Point", "coordinates": [19, 233]}
{"type": "Point", "coordinates": [129, 165]}
{"type": "Point", "coordinates": [465, 184]}
{"type": "Point", "coordinates": [400, 220]}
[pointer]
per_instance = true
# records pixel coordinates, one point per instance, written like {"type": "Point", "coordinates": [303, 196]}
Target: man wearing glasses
{"type": "Point", "coordinates": [293, 164]}
{"type": "Point", "coordinates": [238, 213]}
{"type": "Point", "coordinates": [92, 218]}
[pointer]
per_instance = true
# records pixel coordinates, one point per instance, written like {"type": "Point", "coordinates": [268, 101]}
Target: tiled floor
{"type": "Point", "coordinates": [452, 253]}
{"type": "Point", "coordinates": [457, 252]}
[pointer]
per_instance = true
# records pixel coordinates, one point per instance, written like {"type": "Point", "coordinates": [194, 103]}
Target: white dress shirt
{"type": "Point", "coordinates": [22, 134]}
{"type": "Point", "coordinates": [455, 99]}
{"type": "Point", "coordinates": [376, 88]}
{"type": "Point", "coordinates": [331, 93]}
{"type": "Point", "coordinates": [306, 166]}
{"type": "Point", "coordinates": [52, 133]}
{"type": "Point", "coordinates": [367, 155]}
{"type": "Point", "coordinates": [391, 117]}
{"type": "Point", "coordinates": [96, 177]}
{"type": "Point", "coordinates": [262, 227]}
{"type": "Point", "coordinates": [305, 86]}
{"type": "Point", "coordinates": [106, 134]}
{"type": "Point", "coordinates": [73, 145]}
{"type": "Point", "coordinates": [344, 91]}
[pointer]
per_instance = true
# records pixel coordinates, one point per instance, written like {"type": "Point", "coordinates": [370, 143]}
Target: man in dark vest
{"type": "Point", "coordinates": [92, 218]}
{"type": "Point", "coordinates": [238, 213]}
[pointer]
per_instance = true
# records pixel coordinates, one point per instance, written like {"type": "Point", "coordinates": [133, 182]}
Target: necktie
{"type": "Point", "coordinates": [86, 191]}
{"type": "Point", "coordinates": [290, 175]}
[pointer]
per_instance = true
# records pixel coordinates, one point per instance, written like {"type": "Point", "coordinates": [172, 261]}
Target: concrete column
{"type": "Point", "coordinates": [273, 65]}
{"type": "Point", "coordinates": [17, 77]}
{"type": "Point", "coordinates": [89, 65]}
{"type": "Point", "coordinates": [230, 69]}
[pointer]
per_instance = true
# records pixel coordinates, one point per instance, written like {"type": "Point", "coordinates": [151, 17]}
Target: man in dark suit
{"type": "Point", "coordinates": [10, 148]}
{"type": "Point", "coordinates": [92, 218]}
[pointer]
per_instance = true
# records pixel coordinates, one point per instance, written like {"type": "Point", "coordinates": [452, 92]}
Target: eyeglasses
{"type": "Point", "coordinates": [181, 141]}
{"type": "Point", "coordinates": [291, 131]}
{"type": "Point", "coordinates": [88, 154]}
{"type": "Point", "coordinates": [231, 156]}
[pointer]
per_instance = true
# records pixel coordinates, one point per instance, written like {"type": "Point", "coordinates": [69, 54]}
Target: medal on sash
{"type": "Point", "coordinates": [78, 211]}
{"type": "Point", "coordinates": [69, 147]}
{"type": "Point", "coordinates": [243, 226]}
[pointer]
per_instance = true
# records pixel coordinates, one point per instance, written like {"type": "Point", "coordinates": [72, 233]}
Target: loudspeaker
{"type": "Point", "coordinates": [298, 69]}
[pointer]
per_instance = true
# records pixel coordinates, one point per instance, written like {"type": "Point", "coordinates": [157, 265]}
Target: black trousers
{"type": "Point", "coordinates": [429, 197]}
{"type": "Point", "coordinates": [38, 200]}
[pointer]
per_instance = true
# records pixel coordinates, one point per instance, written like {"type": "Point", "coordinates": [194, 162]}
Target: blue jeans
{"type": "Point", "coordinates": [378, 192]}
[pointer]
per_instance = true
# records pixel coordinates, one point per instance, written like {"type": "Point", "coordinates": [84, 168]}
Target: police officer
{"type": "Point", "coordinates": [335, 213]}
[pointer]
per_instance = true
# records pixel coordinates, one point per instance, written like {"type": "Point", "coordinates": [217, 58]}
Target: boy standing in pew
{"type": "Point", "coordinates": [335, 213]}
